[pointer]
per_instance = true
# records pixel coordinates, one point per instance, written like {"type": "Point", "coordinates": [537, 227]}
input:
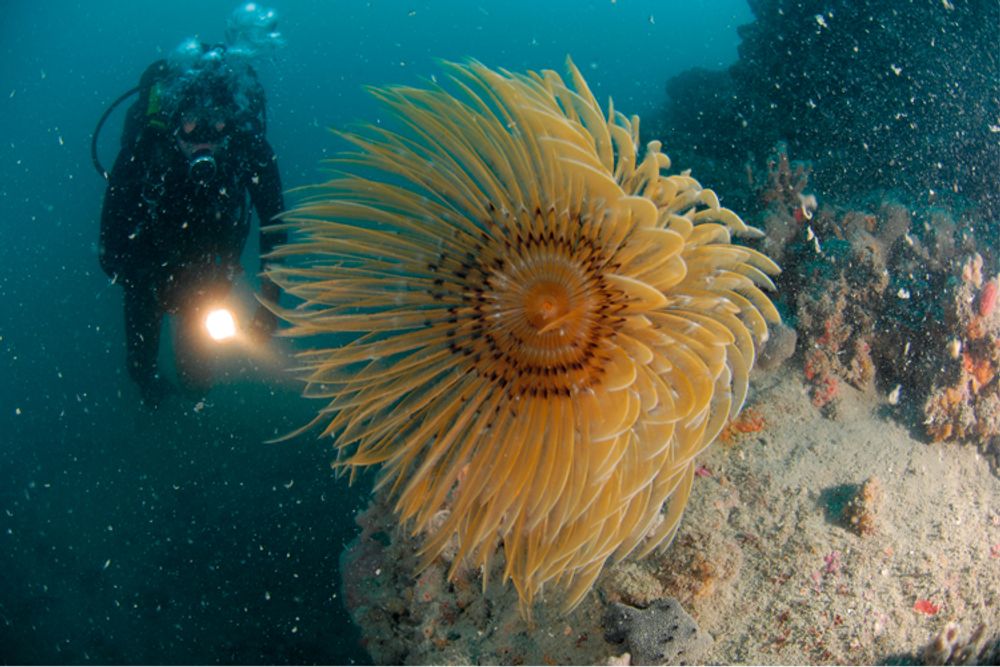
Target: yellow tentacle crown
{"type": "Point", "coordinates": [541, 330]}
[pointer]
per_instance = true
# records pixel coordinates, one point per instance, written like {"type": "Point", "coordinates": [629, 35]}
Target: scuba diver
{"type": "Point", "coordinates": [175, 217]}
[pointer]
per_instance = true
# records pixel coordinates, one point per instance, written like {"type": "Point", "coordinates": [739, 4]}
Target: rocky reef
{"type": "Point", "coordinates": [413, 615]}
{"type": "Point", "coordinates": [803, 544]}
{"type": "Point", "coordinates": [899, 98]}
{"type": "Point", "coordinates": [964, 400]}
{"type": "Point", "coordinates": [892, 298]}
{"type": "Point", "coordinates": [862, 158]}
{"type": "Point", "coordinates": [868, 152]}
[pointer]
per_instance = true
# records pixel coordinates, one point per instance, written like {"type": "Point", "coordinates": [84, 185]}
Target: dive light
{"type": "Point", "coordinates": [221, 324]}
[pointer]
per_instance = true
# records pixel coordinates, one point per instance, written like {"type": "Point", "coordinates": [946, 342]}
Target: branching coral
{"type": "Point", "coordinates": [546, 329]}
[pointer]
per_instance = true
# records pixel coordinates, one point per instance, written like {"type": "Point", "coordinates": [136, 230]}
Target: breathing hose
{"type": "Point", "coordinates": [100, 123]}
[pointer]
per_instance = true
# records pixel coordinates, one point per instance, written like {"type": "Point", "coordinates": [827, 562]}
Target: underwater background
{"type": "Point", "coordinates": [181, 536]}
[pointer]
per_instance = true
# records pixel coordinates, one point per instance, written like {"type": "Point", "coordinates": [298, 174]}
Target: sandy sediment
{"type": "Point", "coordinates": [807, 540]}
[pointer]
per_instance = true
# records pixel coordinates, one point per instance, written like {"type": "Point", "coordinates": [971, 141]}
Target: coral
{"type": "Point", "coordinates": [895, 298]}
{"type": "Point", "coordinates": [964, 401]}
{"type": "Point", "coordinates": [836, 327]}
{"type": "Point", "coordinates": [749, 421]}
{"type": "Point", "coordinates": [841, 284]}
{"type": "Point", "coordinates": [787, 208]}
{"type": "Point", "coordinates": [661, 634]}
{"type": "Point", "coordinates": [972, 271]}
{"type": "Point", "coordinates": [893, 222]}
{"type": "Point", "coordinates": [987, 299]}
{"type": "Point", "coordinates": [949, 414]}
{"type": "Point", "coordinates": [824, 391]}
{"type": "Point", "coordinates": [779, 348]}
{"type": "Point", "coordinates": [542, 289]}
{"type": "Point", "coordinates": [861, 368]}
{"type": "Point", "coordinates": [372, 593]}
{"type": "Point", "coordinates": [874, 280]}
{"type": "Point", "coordinates": [861, 512]}
{"type": "Point", "coordinates": [949, 647]}
{"type": "Point", "coordinates": [425, 618]}
{"type": "Point", "coordinates": [785, 184]}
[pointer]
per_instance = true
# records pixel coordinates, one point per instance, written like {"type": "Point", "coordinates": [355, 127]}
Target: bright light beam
{"type": "Point", "coordinates": [221, 324]}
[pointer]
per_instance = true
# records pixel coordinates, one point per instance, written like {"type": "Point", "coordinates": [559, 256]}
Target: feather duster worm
{"type": "Point", "coordinates": [544, 330]}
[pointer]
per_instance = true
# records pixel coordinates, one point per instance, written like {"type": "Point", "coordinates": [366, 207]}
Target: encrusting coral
{"type": "Point", "coordinates": [544, 329]}
{"type": "Point", "coordinates": [964, 403]}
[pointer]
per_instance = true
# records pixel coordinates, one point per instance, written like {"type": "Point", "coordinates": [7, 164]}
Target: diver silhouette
{"type": "Point", "coordinates": [176, 214]}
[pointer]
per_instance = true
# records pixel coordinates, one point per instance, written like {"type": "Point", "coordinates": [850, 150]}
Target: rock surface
{"type": "Point", "coordinates": [661, 634]}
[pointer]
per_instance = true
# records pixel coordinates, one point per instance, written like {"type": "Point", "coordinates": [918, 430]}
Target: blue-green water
{"type": "Point", "coordinates": [181, 536]}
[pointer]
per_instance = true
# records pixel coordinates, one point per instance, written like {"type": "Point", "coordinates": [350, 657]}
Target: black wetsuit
{"type": "Point", "coordinates": [173, 243]}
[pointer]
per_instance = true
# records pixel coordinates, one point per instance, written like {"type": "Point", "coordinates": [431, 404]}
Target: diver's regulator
{"type": "Point", "coordinates": [202, 167]}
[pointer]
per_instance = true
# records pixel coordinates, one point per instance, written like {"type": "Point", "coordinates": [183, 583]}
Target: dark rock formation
{"type": "Point", "coordinates": [661, 634]}
{"type": "Point", "coordinates": [889, 95]}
